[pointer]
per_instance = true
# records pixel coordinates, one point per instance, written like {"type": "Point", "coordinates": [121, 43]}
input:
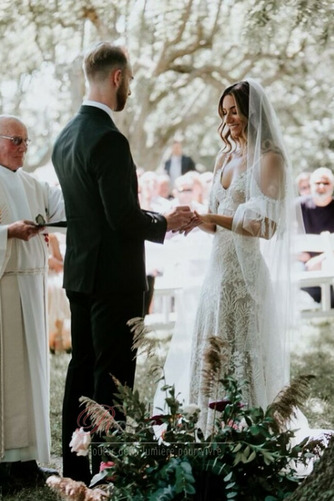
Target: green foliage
{"type": "Point", "coordinates": [164, 457]}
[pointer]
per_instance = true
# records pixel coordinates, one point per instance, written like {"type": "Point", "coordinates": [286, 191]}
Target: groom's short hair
{"type": "Point", "coordinates": [102, 58]}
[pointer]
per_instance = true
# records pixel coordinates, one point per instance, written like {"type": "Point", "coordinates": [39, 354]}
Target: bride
{"type": "Point", "coordinates": [245, 295]}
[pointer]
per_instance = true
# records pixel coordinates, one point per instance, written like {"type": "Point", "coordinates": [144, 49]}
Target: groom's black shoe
{"type": "Point", "coordinates": [18, 475]}
{"type": "Point", "coordinates": [5, 479]}
{"type": "Point", "coordinates": [28, 472]}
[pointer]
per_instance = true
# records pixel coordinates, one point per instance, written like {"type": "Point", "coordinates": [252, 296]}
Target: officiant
{"type": "Point", "coordinates": [24, 382]}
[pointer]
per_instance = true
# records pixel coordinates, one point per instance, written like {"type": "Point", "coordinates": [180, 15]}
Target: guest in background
{"type": "Point", "coordinates": [303, 183]}
{"type": "Point", "coordinates": [59, 313]}
{"type": "Point", "coordinates": [206, 179]}
{"type": "Point", "coordinates": [188, 190]}
{"type": "Point", "coordinates": [318, 215]}
{"type": "Point", "coordinates": [149, 193]}
{"type": "Point", "coordinates": [178, 164]}
{"type": "Point", "coordinates": [164, 186]}
{"type": "Point", "coordinates": [151, 200]}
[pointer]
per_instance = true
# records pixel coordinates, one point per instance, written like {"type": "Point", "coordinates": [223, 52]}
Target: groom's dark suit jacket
{"type": "Point", "coordinates": [106, 228]}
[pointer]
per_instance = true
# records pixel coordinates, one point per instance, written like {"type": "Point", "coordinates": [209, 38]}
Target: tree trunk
{"type": "Point", "coordinates": [319, 485]}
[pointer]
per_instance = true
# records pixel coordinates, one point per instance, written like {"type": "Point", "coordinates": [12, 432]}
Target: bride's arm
{"type": "Point", "coordinates": [207, 222]}
{"type": "Point", "coordinates": [254, 227]}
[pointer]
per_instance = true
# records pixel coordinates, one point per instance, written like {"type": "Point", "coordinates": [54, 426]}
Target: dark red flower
{"type": "Point", "coordinates": [157, 419]}
{"type": "Point", "coordinates": [220, 405]}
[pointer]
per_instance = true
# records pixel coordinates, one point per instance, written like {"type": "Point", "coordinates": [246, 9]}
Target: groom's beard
{"type": "Point", "coordinates": [121, 96]}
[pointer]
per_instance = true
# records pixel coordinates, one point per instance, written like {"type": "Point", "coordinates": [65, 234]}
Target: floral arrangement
{"type": "Point", "coordinates": [247, 456]}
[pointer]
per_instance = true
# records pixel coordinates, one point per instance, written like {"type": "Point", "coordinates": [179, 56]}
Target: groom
{"type": "Point", "coordinates": [104, 269]}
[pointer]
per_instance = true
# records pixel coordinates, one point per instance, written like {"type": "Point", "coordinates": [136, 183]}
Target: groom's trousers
{"type": "Point", "coordinates": [101, 347]}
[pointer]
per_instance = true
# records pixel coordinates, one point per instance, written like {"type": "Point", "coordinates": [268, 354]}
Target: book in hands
{"type": "Point", "coordinates": [40, 221]}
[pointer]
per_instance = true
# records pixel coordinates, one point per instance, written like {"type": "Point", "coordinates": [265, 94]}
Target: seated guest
{"type": "Point", "coordinates": [151, 200]}
{"type": "Point", "coordinates": [206, 179]}
{"type": "Point", "coordinates": [303, 183]}
{"type": "Point", "coordinates": [59, 313]}
{"type": "Point", "coordinates": [188, 190]}
{"type": "Point", "coordinates": [164, 187]}
{"type": "Point", "coordinates": [149, 193]}
{"type": "Point", "coordinates": [318, 216]}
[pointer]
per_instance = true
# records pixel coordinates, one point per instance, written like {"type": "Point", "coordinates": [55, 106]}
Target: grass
{"type": "Point", "coordinates": [58, 365]}
{"type": "Point", "coordinates": [312, 353]}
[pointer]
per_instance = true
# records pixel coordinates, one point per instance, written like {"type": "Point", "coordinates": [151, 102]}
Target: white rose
{"type": "Point", "coordinates": [80, 442]}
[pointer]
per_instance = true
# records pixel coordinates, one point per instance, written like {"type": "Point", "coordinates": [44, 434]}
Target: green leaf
{"type": "Point", "coordinates": [237, 459]}
{"type": "Point", "coordinates": [237, 447]}
{"type": "Point", "coordinates": [251, 457]}
{"type": "Point", "coordinates": [228, 476]}
{"type": "Point", "coordinates": [231, 495]}
{"type": "Point", "coordinates": [98, 477]}
{"type": "Point", "coordinates": [247, 451]}
{"type": "Point", "coordinates": [163, 494]}
{"type": "Point", "coordinates": [255, 430]}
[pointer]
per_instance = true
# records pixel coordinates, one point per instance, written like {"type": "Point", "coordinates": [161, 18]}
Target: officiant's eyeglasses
{"type": "Point", "coordinates": [17, 140]}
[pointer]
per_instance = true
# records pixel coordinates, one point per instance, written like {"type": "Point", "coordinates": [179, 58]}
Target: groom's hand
{"type": "Point", "coordinates": [178, 218]}
{"type": "Point", "coordinates": [195, 221]}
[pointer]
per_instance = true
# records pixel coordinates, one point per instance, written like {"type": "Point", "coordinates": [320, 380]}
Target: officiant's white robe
{"type": "Point", "coordinates": [24, 370]}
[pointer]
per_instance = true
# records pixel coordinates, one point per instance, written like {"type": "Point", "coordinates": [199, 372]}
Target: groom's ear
{"type": "Point", "coordinates": [116, 77]}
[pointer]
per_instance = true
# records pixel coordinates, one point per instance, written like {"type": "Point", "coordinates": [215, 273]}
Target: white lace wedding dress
{"type": "Point", "coordinates": [237, 304]}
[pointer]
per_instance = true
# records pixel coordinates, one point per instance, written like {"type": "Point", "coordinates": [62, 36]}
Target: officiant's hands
{"type": "Point", "coordinates": [23, 230]}
{"type": "Point", "coordinates": [179, 218]}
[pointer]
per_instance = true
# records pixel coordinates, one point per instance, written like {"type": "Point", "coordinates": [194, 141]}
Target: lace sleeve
{"type": "Point", "coordinates": [261, 213]}
{"type": "Point", "coordinates": [256, 218]}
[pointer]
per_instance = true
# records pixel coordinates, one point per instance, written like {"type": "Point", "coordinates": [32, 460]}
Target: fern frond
{"type": "Point", "coordinates": [215, 364]}
{"type": "Point", "coordinates": [141, 342]}
{"type": "Point", "coordinates": [289, 399]}
{"type": "Point", "coordinates": [128, 401]}
{"type": "Point", "coordinates": [101, 419]}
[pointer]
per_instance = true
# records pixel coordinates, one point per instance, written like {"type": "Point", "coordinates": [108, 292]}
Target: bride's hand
{"type": "Point", "coordinates": [203, 218]}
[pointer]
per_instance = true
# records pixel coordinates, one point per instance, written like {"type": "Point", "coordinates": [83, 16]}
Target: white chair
{"type": "Point", "coordinates": [324, 278]}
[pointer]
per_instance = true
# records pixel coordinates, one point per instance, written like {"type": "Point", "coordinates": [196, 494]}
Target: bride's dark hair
{"type": "Point", "coordinates": [240, 92]}
{"type": "Point", "coordinates": [253, 119]}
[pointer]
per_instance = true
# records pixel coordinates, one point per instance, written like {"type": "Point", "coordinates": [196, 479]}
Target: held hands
{"type": "Point", "coordinates": [179, 218]}
{"type": "Point", "coordinates": [198, 220]}
{"type": "Point", "coordinates": [23, 230]}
